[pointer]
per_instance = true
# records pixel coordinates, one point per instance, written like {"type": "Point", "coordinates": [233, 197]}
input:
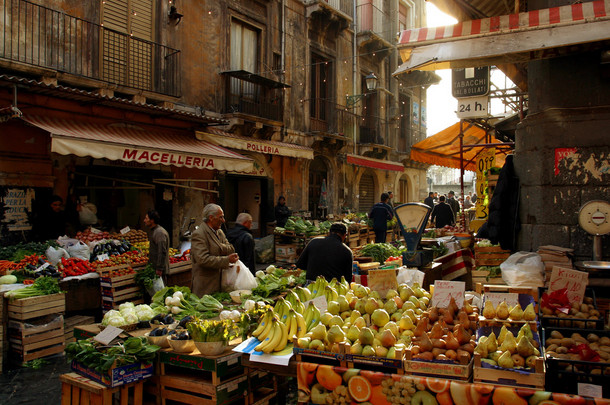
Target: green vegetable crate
{"type": "Point", "coordinates": [118, 289]}
{"type": "Point", "coordinates": [35, 307]}
{"type": "Point", "coordinates": [36, 338]}
{"type": "Point", "coordinates": [490, 255]}
{"type": "Point", "coordinates": [481, 276]}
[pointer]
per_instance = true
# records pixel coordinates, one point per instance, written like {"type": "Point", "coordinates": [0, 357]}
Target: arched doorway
{"type": "Point", "coordinates": [318, 174]}
{"type": "Point", "coordinates": [403, 187]}
{"type": "Point", "coordinates": [366, 190]}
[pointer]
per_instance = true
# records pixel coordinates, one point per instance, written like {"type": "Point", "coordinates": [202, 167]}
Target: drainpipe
{"type": "Point", "coordinates": [355, 69]}
{"type": "Point", "coordinates": [283, 45]}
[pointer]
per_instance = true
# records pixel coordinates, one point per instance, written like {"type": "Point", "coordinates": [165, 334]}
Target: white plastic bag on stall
{"type": "Point", "coordinates": [79, 250]}
{"type": "Point", "coordinates": [237, 277]}
{"type": "Point", "coordinates": [55, 255]}
{"type": "Point", "coordinates": [523, 269]}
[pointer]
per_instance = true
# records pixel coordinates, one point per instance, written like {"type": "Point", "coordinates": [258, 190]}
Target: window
{"type": "Point", "coordinates": [320, 87]}
{"type": "Point", "coordinates": [405, 15]}
{"type": "Point", "coordinates": [244, 47]}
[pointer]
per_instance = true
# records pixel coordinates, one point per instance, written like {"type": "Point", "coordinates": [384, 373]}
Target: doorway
{"type": "Point", "coordinates": [366, 190]}
{"type": "Point", "coordinates": [318, 183]}
{"type": "Point", "coordinates": [246, 194]}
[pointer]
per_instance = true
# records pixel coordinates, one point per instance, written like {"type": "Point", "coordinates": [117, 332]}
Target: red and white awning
{"type": "Point", "coordinates": [506, 38]}
{"type": "Point", "coordinates": [374, 163]}
{"type": "Point", "coordinates": [133, 144]}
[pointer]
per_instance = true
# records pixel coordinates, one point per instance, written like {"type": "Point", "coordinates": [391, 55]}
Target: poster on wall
{"type": "Point", "coordinates": [415, 113]}
{"type": "Point", "coordinates": [423, 116]}
{"type": "Point", "coordinates": [17, 203]}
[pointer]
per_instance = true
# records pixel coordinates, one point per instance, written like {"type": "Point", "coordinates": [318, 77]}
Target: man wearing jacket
{"type": "Point", "coordinates": [328, 256]}
{"type": "Point", "coordinates": [242, 240]}
{"type": "Point", "coordinates": [381, 213]}
{"type": "Point", "coordinates": [442, 214]}
{"type": "Point", "coordinates": [158, 251]}
{"type": "Point", "coordinates": [211, 252]}
{"type": "Point", "coordinates": [454, 204]}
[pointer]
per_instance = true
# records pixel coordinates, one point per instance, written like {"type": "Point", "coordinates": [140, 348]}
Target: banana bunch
{"type": "Point", "coordinates": [295, 301]}
{"type": "Point", "coordinates": [272, 333]}
{"type": "Point", "coordinates": [312, 316]}
{"type": "Point", "coordinates": [330, 294]}
{"type": "Point", "coordinates": [296, 325]}
{"type": "Point", "coordinates": [317, 287]}
{"type": "Point", "coordinates": [342, 287]}
{"type": "Point", "coordinates": [303, 293]}
{"type": "Point", "coordinates": [281, 308]}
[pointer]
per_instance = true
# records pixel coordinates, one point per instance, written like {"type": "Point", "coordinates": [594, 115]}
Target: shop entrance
{"type": "Point", "coordinates": [247, 194]}
{"type": "Point", "coordinates": [318, 181]}
{"type": "Point", "coordinates": [367, 192]}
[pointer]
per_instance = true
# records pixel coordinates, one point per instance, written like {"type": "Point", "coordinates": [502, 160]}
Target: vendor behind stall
{"type": "Point", "coordinates": [51, 222]}
{"type": "Point", "coordinates": [158, 252]}
{"type": "Point", "coordinates": [328, 256]}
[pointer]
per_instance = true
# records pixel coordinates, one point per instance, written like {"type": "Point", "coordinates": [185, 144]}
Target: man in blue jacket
{"type": "Point", "coordinates": [381, 213]}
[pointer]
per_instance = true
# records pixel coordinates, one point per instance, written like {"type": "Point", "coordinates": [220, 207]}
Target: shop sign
{"type": "Point", "coordinates": [470, 82]}
{"type": "Point", "coordinates": [575, 282]}
{"type": "Point", "coordinates": [172, 158]}
{"type": "Point", "coordinates": [262, 148]}
{"type": "Point", "coordinates": [17, 203]}
{"type": "Point", "coordinates": [473, 107]}
{"type": "Point", "coordinates": [486, 159]}
{"type": "Point", "coordinates": [445, 290]}
{"type": "Point", "coordinates": [481, 210]}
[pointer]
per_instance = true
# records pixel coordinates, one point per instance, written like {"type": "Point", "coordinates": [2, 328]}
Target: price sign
{"type": "Point", "coordinates": [44, 266]}
{"type": "Point", "coordinates": [108, 335]}
{"type": "Point", "coordinates": [590, 390]}
{"type": "Point", "coordinates": [382, 281]}
{"type": "Point", "coordinates": [575, 282]}
{"type": "Point", "coordinates": [486, 159]}
{"type": "Point", "coordinates": [445, 290]}
{"type": "Point", "coordinates": [496, 298]}
{"type": "Point", "coordinates": [125, 230]}
{"type": "Point", "coordinates": [482, 211]}
{"type": "Point", "coordinates": [94, 230]}
{"type": "Point", "coordinates": [102, 257]}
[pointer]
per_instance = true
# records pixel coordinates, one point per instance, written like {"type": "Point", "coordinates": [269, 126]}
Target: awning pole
{"type": "Point", "coordinates": [462, 170]}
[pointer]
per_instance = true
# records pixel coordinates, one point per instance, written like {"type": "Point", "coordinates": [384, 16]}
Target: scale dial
{"type": "Point", "coordinates": [594, 217]}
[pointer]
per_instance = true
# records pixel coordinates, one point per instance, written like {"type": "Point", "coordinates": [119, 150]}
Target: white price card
{"type": "Point", "coordinates": [95, 230]}
{"type": "Point", "coordinates": [102, 257]}
{"type": "Point", "coordinates": [496, 298]}
{"type": "Point", "coordinates": [125, 230]}
{"type": "Point", "coordinates": [445, 290]}
{"type": "Point", "coordinates": [108, 335]}
{"type": "Point", "coordinates": [590, 390]}
{"type": "Point", "coordinates": [44, 266]}
{"type": "Point", "coordinates": [575, 281]}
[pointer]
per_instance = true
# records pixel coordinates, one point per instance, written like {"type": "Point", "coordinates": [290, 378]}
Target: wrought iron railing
{"type": "Point", "coordinates": [344, 6]}
{"type": "Point", "coordinates": [373, 130]}
{"type": "Point", "coordinates": [253, 99]}
{"type": "Point", "coordinates": [47, 38]}
{"type": "Point", "coordinates": [374, 19]}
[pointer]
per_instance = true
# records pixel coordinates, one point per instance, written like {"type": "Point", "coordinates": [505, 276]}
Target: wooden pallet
{"type": "Point", "coordinates": [119, 289]}
{"type": "Point", "coordinates": [71, 322]}
{"type": "Point", "coordinates": [79, 390]}
{"type": "Point", "coordinates": [33, 342]}
{"type": "Point", "coordinates": [179, 267]}
{"type": "Point", "coordinates": [262, 387]}
{"type": "Point", "coordinates": [186, 388]}
{"type": "Point", "coordinates": [217, 369]}
{"type": "Point", "coordinates": [35, 307]}
{"type": "Point", "coordinates": [510, 378]}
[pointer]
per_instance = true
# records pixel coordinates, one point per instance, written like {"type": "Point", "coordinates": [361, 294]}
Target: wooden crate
{"type": "Point", "coordinates": [119, 289]}
{"type": "Point", "coordinates": [480, 277]}
{"type": "Point", "coordinates": [490, 256]}
{"type": "Point", "coordinates": [217, 369]}
{"type": "Point", "coordinates": [452, 371]}
{"type": "Point", "coordinates": [507, 377]}
{"type": "Point", "coordinates": [186, 388]}
{"type": "Point", "coordinates": [262, 387]}
{"type": "Point", "coordinates": [33, 341]}
{"type": "Point", "coordinates": [180, 267]}
{"type": "Point", "coordinates": [71, 322]}
{"type": "Point", "coordinates": [79, 390]}
{"type": "Point", "coordinates": [35, 307]}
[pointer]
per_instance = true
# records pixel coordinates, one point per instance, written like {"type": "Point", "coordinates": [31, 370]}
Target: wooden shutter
{"type": "Point", "coordinates": [367, 192]}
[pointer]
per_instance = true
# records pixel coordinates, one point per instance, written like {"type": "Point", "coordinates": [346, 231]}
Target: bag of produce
{"type": "Point", "coordinates": [245, 279]}
{"type": "Point", "coordinates": [79, 250]}
{"type": "Point", "coordinates": [88, 214]}
{"type": "Point", "coordinates": [523, 269]}
{"type": "Point", "coordinates": [54, 255]}
{"type": "Point", "coordinates": [229, 277]}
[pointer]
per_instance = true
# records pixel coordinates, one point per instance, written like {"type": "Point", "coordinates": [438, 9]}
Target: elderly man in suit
{"type": "Point", "coordinates": [211, 252]}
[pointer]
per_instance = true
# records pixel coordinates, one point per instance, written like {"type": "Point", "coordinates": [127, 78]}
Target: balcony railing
{"type": "Point", "coordinates": [331, 118]}
{"type": "Point", "coordinates": [344, 6]}
{"type": "Point", "coordinates": [257, 99]}
{"type": "Point", "coordinates": [373, 130]}
{"type": "Point", "coordinates": [46, 38]}
{"type": "Point", "coordinates": [374, 19]}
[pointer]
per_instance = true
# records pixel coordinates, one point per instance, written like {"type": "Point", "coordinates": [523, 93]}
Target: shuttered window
{"type": "Point", "coordinates": [126, 59]}
{"type": "Point", "coordinates": [367, 192]}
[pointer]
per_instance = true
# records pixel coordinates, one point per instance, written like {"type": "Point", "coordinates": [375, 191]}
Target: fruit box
{"type": "Point", "coordinates": [438, 368]}
{"type": "Point", "coordinates": [393, 365]}
{"type": "Point", "coordinates": [116, 375]}
{"type": "Point", "coordinates": [571, 322]}
{"type": "Point", "coordinates": [524, 301]}
{"type": "Point", "coordinates": [34, 307]}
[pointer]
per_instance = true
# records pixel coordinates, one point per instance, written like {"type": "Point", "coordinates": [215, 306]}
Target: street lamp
{"type": "Point", "coordinates": [371, 84]}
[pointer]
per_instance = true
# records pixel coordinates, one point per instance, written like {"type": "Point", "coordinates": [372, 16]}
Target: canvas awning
{"type": "Point", "coordinates": [443, 148]}
{"type": "Point", "coordinates": [229, 140]}
{"type": "Point", "coordinates": [504, 39]}
{"type": "Point", "coordinates": [134, 144]}
{"type": "Point", "coordinates": [374, 163]}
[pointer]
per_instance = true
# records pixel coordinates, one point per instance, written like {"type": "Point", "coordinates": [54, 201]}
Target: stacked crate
{"type": "Point", "coordinates": [71, 322]}
{"type": "Point", "coordinates": [36, 327]}
{"type": "Point", "coordinates": [488, 256]}
{"type": "Point", "coordinates": [117, 289]}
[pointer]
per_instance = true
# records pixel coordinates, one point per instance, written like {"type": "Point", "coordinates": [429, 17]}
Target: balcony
{"type": "Point", "coordinates": [332, 125]}
{"type": "Point", "coordinates": [36, 39]}
{"type": "Point", "coordinates": [254, 95]}
{"type": "Point", "coordinates": [325, 14]}
{"type": "Point", "coordinates": [373, 28]}
{"type": "Point", "coordinates": [373, 137]}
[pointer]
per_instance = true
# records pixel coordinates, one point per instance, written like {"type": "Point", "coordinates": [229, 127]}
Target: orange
{"type": "Point", "coordinates": [437, 385]}
{"type": "Point", "coordinates": [328, 377]}
{"type": "Point", "coordinates": [359, 388]}
{"type": "Point", "coordinates": [374, 377]}
{"type": "Point", "coordinates": [309, 366]}
{"type": "Point", "coordinates": [378, 397]}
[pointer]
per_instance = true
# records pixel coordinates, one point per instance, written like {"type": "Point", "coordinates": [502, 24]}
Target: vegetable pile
{"type": "Point", "coordinates": [379, 251]}
{"type": "Point", "coordinates": [128, 314]}
{"type": "Point", "coordinates": [272, 282]}
{"type": "Point", "coordinates": [74, 267]}
{"type": "Point", "coordinates": [42, 286]}
{"type": "Point", "coordinates": [180, 302]}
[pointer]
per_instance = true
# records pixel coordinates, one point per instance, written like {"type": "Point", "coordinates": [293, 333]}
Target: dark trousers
{"type": "Point", "coordinates": [380, 235]}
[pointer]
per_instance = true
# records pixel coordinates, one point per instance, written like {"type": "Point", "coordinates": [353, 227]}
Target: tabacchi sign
{"type": "Point", "coordinates": [470, 82]}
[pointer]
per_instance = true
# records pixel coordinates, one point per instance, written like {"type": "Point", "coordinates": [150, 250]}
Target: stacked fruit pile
{"type": "Point", "coordinates": [507, 351]}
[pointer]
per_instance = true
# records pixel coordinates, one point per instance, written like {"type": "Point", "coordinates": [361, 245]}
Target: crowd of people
{"type": "Point", "coordinates": [445, 208]}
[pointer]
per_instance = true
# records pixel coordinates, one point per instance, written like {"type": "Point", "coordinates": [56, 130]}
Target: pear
{"type": "Point", "coordinates": [380, 317]}
{"type": "Point", "coordinates": [368, 351]}
{"type": "Point", "coordinates": [462, 318]}
{"type": "Point", "coordinates": [381, 351]}
{"type": "Point", "coordinates": [529, 314]}
{"type": "Point", "coordinates": [482, 347]}
{"type": "Point", "coordinates": [494, 356]}
{"type": "Point", "coordinates": [333, 307]}
{"type": "Point", "coordinates": [468, 308]}
{"type": "Point", "coordinates": [352, 333]}
{"type": "Point", "coordinates": [387, 338]}
{"type": "Point", "coordinates": [343, 303]}
{"type": "Point", "coordinates": [502, 310]}
{"type": "Point", "coordinates": [516, 313]}
{"type": "Point", "coordinates": [518, 360]}
{"type": "Point", "coordinates": [406, 323]}
{"type": "Point", "coordinates": [391, 353]}
{"type": "Point", "coordinates": [436, 332]}
{"type": "Point", "coordinates": [502, 334]}
{"type": "Point", "coordinates": [451, 341]}
{"type": "Point", "coordinates": [422, 326]}
{"type": "Point", "coordinates": [354, 315]}
{"type": "Point", "coordinates": [530, 362]}
{"type": "Point", "coordinates": [390, 306]}
{"type": "Point", "coordinates": [509, 344]}
{"type": "Point", "coordinates": [488, 310]}
{"type": "Point", "coordinates": [524, 347]}
{"type": "Point", "coordinates": [492, 343]}
{"type": "Point", "coordinates": [356, 348]}
{"type": "Point", "coordinates": [433, 314]}
{"type": "Point", "coordinates": [366, 336]}
{"type": "Point", "coordinates": [425, 344]}
{"type": "Point", "coordinates": [462, 335]}
{"type": "Point", "coordinates": [526, 331]}
{"type": "Point", "coordinates": [325, 318]}
{"type": "Point", "coordinates": [453, 308]}
{"type": "Point", "coordinates": [335, 334]}
{"type": "Point", "coordinates": [392, 326]}
{"type": "Point", "coordinates": [505, 360]}
{"type": "Point", "coordinates": [318, 332]}
{"type": "Point", "coordinates": [335, 320]}
{"type": "Point", "coordinates": [359, 322]}
{"type": "Point", "coordinates": [489, 361]}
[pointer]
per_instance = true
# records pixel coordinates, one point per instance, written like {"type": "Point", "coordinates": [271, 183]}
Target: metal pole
{"type": "Point", "coordinates": [462, 170]}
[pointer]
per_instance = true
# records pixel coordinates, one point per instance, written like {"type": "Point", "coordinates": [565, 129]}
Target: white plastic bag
{"type": "Point", "coordinates": [55, 255]}
{"type": "Point", "coordinates": [157, 285]}
{"type": "Point", "coordinates": [245, 279]}
{"type": "Point", "coordinates": [79, 250]}
{"type": "Point", "coordinates": [87, 214]}
{"type": "Point", "coordinates": [229, 276]}
{"type": "Point", "coordinates": [523, 269]}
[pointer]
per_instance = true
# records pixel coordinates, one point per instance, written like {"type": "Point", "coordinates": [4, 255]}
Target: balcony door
{"type": "Point", "coordinates": [127, 53]}
{"type": "Point", "coordinates": [319, 93]}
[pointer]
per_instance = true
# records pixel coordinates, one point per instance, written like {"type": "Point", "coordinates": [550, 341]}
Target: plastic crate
{"type": "Point", "coordinates": [564, 375]}
{"type": "Point", "coordinates": [557, 322]}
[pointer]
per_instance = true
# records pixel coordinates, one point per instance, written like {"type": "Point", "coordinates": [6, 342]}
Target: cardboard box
{"type": "Point", "coordinates": [116, 376]}
{"type": "Point", "coordinates": [285, 250]}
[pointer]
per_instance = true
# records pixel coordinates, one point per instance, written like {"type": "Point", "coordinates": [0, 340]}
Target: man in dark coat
{"type": "Point", "coordinates": [242, 240]}
{"type": "Point", "coordinates": [454, 204]}
{"type": "Point", "coordinates": [158, 251]}
{"type": "Point", "coordinates": [282, 212]}
{"type": "Point", "coordinates": [328, 256]}
{"type": "Point", "coordinates": [429, 201]}
{"type": "Point", "coordinates": [503, 222]}
{"type": "Point", "coordinates": [442, 214]}
{"type": "Point", "coordinates": [381, 213]}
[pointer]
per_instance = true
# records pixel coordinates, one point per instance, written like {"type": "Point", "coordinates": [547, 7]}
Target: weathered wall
{"type": "Point", "coordinates": [562, 153]}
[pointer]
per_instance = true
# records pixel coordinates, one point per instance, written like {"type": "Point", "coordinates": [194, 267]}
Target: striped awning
{"type": "Point", "coordinates": [375, 163]}
{"type": "Point", "coordinates": [130, 143]}
{"type": "Point", "coordinates": [503, 39]}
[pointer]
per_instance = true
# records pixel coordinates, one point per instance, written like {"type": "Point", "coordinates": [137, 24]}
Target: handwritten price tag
{"type": "Point", "coordinates": [44, 266]}
{"type": "Point", "coordinates": [444, 290]}
{"type": "Point", "coordinates": [102, 257]}
{"type": "Point", "coordinates": [108, 335]}
{"type": "Point", "coordinates": [497, 297]}
{"type": "Point", "coordinates": [575, 281]}
{"type": "Point", "coordinates": [320, 303]}
{"type": "Point", "coordinates": [382, 281]}
{"type": "Point", "coordinates": [125, 230]}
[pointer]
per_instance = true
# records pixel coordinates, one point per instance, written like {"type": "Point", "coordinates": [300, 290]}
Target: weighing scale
{"type": "Point", "coordinates": [594, 218]}
{"type": "Point", "coordinates": [412, 219]}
